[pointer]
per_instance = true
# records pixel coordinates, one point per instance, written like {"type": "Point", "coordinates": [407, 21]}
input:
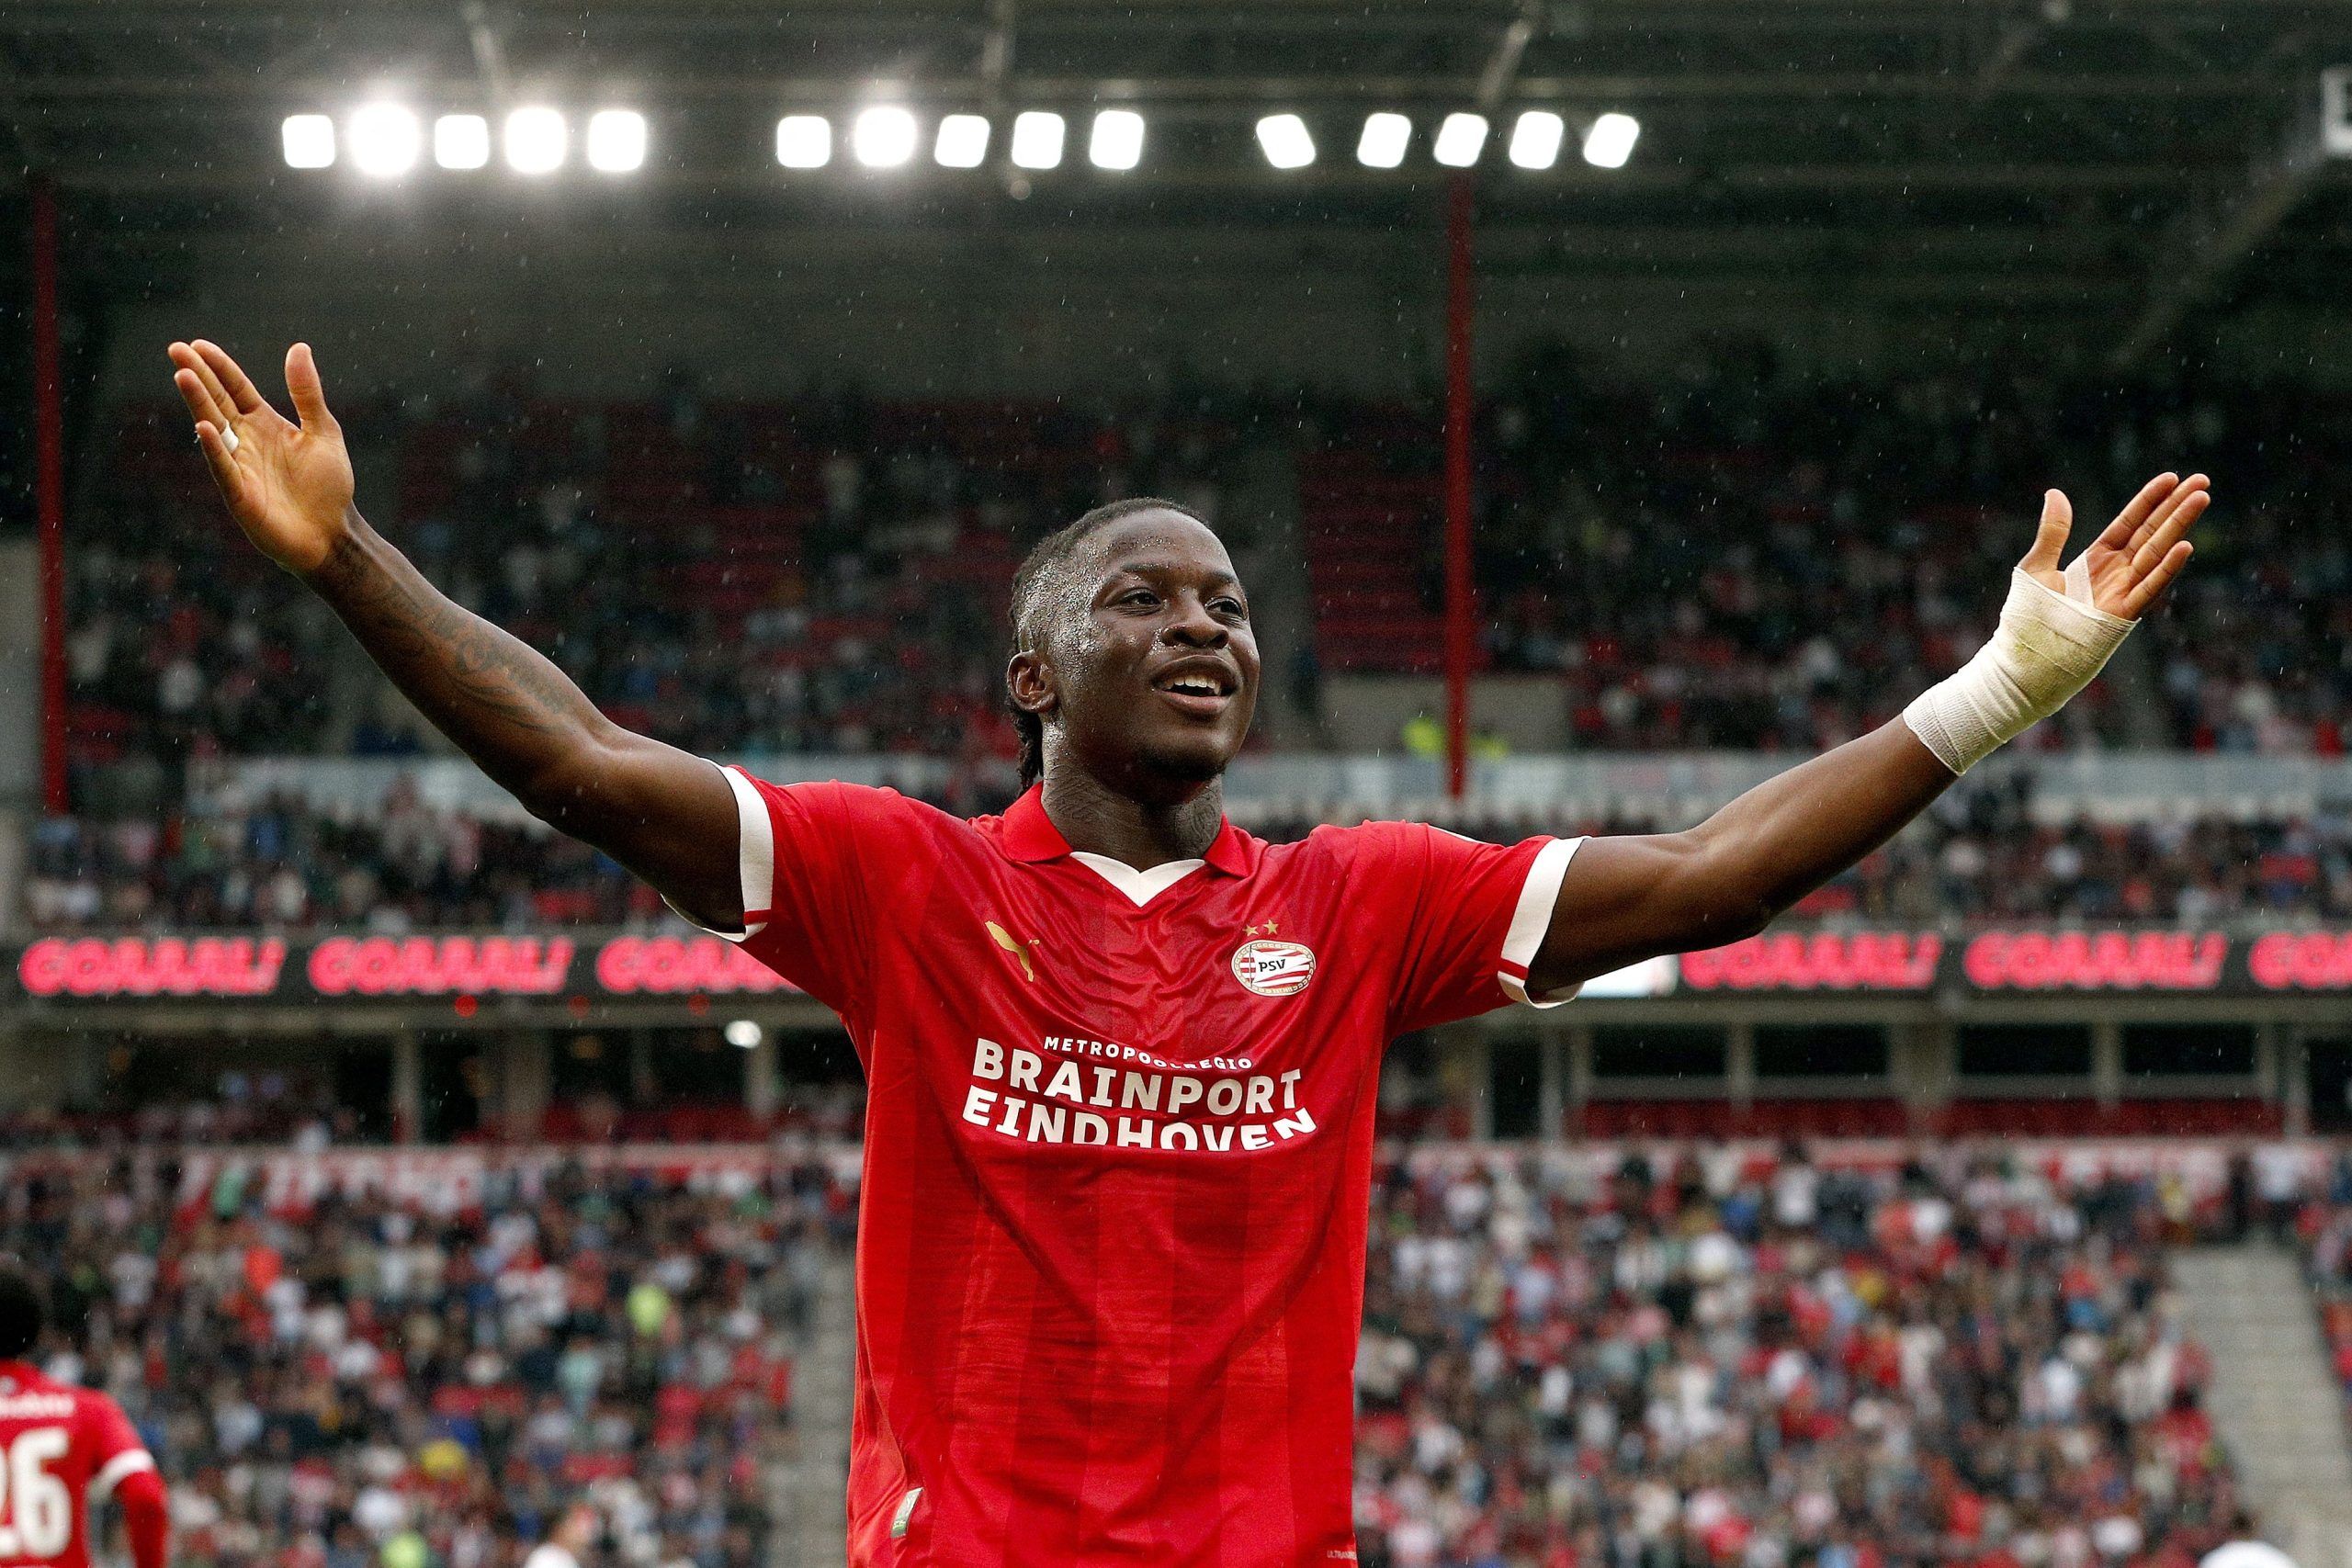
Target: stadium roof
{"type": "Point", "coordinates": [2151, 140]}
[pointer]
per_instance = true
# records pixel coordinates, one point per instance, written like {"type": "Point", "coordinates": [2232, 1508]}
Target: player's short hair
{"type": "Point", "coordinates": [1033, 587]}
{"type": "Point", "coordinates": [21, 1311]}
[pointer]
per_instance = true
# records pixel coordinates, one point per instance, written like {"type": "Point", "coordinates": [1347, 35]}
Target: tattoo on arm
{"type": "Point", "coordinates": [506, 705]}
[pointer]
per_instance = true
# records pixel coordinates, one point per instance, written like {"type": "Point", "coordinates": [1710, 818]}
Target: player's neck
{"type": "Point", "coordinates": [1092, 817]}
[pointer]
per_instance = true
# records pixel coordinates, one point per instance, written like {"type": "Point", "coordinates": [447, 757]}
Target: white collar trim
{"type": "Point", "coordinates": [1140, 886]}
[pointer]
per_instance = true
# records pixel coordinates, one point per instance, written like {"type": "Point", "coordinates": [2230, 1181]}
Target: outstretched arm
{"type": "Point", "coordinates": [665, 814]}
{"type": "Point", "coordinates": [1626, 898]}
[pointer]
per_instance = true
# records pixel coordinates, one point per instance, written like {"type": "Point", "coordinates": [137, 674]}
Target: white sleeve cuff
{"type": "Point", "coordinates": [129, 1463]}
{"type": "Point", "coordinates": [754, 860]}
{"type": "Point", "coordinates": [1531, 921]}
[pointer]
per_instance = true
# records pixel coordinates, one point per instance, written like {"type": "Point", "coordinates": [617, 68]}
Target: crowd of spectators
{"type": "Point", "coordinates": [1694, 1364]}
{"type": "Point", "coordinates": [1722, 553]}
{"type": "Point", "coordinates": [826, 574]}
{"type": "Point", "coordinates": [285, 866]}
{"type": "Point", "coordinates": [431, 1374]}
{"type": "Point", "coordinates": [1687, 1356]}
{"type": "Point", "coordinates": [1980, 854]}
{"type": "Point", "coordinates": [1718, 552]}
{"type": "Point", "coordinates": [2324, 1226]}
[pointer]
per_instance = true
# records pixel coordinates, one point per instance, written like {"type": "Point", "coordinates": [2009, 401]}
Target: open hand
{"type": "Point", "coordinates": [288, 485]}
{"type": "Point", "coordinates": [2137, 556]}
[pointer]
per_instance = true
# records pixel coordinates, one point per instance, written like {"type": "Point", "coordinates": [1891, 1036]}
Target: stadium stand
{"type": "Point", "coordinates": [827, 576]}
{"type": "Point", "coordinates": [286, 865]}
{"type": "Point", "coordinates": [1815, 548]}
{"type": "Point", "coordinates": [431, 1365]}
{"type": "Point", "coordinates": [1685, 1353]}
{"type": "Point", "coordinates": [725, 574]}
{"type": "Point", "coordinates": [1706, 1358]}
{"type": "Point", "coordinates": [2324, 1226]}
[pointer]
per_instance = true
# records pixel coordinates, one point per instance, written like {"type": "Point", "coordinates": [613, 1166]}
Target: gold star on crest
{"type": "Point", "coordinates": [1268, 930]}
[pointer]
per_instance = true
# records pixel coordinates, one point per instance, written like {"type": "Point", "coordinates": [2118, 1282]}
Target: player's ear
{"type": "Point", "coordinates": [1030, 678]}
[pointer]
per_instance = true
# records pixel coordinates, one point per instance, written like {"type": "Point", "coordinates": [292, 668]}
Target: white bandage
{"type": "Point", "coordinates": [228, 438]}
{"type": "Point", "coordinates": [2049, 646]}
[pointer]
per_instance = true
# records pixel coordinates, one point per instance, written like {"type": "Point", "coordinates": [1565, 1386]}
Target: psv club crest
{"type": "Point", "coordinates": [1273, 968]}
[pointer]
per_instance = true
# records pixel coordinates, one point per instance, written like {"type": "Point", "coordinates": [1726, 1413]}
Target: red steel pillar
{"type": "Point", "coordinates": [1460, 629]}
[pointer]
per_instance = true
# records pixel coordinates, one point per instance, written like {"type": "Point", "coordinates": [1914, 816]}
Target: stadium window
{"type": "Point", "coordinates": [590, 1064]}
{"type": "Point", "coordinates": [363, 1085]}
{"type": "Point", "coordinates": [2025, 1050]}
{"type": "Point", "coordinates": [697, 1064]}
{"type": "Point", "coordinates": [2327, 1075]}
{"type": "Point", "coordinates": [1830, 1051]}
{"type": "Point", "coordinates": [2188, 1050]}
{"type": "Point", "coordinates": [1515, 1087]}
{"type": "Point", "coordinates": [1652, 1050]}
{"type": "Point", "coordinates": [457, 1082]}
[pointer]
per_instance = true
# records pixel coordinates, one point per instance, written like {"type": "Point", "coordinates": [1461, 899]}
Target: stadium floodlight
{"type": "Point", "coordinates": [2335, 111]}
{"type": "Point", "coordinates": [615, 142]}
{"type": "Point", "coordinates": [537, 141]}
{"type": "Point", "coordinates": [1460, 140]}
{"type": "Point", "coordinates": [1535, 140]}
{"type": "Point", "coordinates": [309, 141]}
{"type": "Point", "coordinates": [804, 141]}
{"type": "Point", "coordinates": [1384, 138]}
{"type": "Point", "coordinates": [1037, 139]}
{"type": "Point", "coordinates": [963, 141]}
{"type": "Point", "coordinates": [883, 137]}
{"type": "Point", "coordinates": [1117, 139]}
{"type": "Point", "coordinates": [462, 141]}
{"type": "Point", "coordinates": [1288, 143]}
{"type": "Point", "coordinates": [1610, 140]}
{"type": "Point", "coordinates": [385, 140]}
{"type": "Point", "coordinates": [744, 1034]}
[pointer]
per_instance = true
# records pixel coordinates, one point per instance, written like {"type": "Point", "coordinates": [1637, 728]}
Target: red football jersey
{"type": "Point", "coordinates": [61, 1449]}
{"type": "Point", "coordinates": [1118, 1156]}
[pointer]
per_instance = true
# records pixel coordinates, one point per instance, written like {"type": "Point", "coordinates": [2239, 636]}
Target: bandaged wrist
{"type": "Point", "coordinates": [2049, 646]}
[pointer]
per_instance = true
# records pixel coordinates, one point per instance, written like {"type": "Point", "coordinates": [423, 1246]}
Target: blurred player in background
{"type": "Point", "coordinates": [63, 1449]}
{"type": "Point", "coordinates": [568, 1542]}
{"type": "Point", "coordinates": [1123, 1057]}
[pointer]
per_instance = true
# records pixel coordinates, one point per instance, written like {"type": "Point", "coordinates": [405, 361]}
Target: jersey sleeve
{"type": "Point", "coordinates": [819, 863]}
{"type": "Point", "coordinates": [116, 1449]}
{"type": "Point", "coordinates": [1469, 917]}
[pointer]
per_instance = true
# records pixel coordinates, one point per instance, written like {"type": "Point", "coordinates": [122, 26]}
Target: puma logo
{"type": "Point", "coordinates": [1020, 950]}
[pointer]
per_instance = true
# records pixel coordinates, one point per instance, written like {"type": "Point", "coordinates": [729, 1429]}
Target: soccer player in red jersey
{"type": "Point", "coordinates": [62, 1449]}
{"type": "Point", "coordinates": [1122, 1056]}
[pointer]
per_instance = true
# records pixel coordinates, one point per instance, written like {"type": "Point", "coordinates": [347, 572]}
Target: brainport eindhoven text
{"type": "Point", "coordinates": [1041, 1100]}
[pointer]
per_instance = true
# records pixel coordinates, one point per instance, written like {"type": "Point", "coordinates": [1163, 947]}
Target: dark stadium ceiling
{"type": "Point", "coordinates": [2105, 122]}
